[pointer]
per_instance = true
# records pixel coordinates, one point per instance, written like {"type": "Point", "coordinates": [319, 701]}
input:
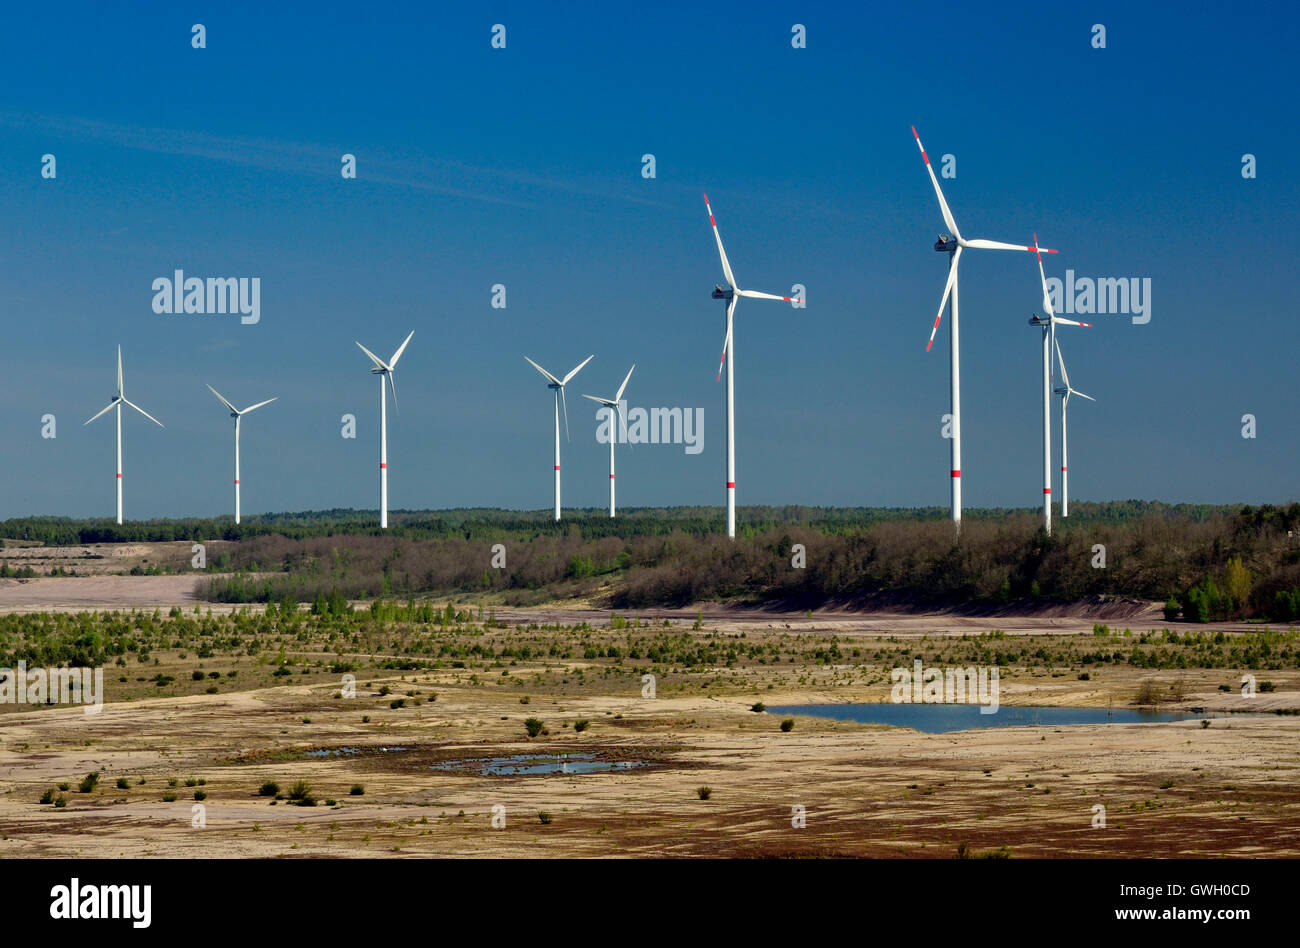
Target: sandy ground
{"type": "Point", "coordinates": [1173, 789]}
{"type": "Point", "coordinates": [103, 593]}
{"type": "Point", "coordinates": [1168, 789]}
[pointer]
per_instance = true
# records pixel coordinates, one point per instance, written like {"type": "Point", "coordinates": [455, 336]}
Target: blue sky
{"type": "Point", "coordinates": [522, 166]}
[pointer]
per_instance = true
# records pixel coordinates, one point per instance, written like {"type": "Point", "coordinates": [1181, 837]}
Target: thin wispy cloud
{"type": "Point", "coordinates": [314, 160]}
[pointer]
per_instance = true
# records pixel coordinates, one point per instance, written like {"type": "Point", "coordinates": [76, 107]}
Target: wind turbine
{"type": "Point", "coordinates": [385, 371]}
{"type": "Point", "coordinates": [953, 244]}
{"type": "Point", "coordinates": [1065, 391]}
{"type": "Point", "coordinates": [615, 416]}
{"type": "Point", "coordinates": [118, 400]}
{"type": "Point", "coordinates": [557, 385]}
{"type": "Point", "coordinates": [1049, 343]}
{"type": "Point", "coordinates": [235, 413]}
{"type": "Point", "coordinates": [732, 294]}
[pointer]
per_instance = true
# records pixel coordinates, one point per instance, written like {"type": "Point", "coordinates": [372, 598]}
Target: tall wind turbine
{"type": "Point", "coordinates": [615, 415]}
{"type": "Point", "coordinates": [557, 385]}
{"type": "Point", "coordinates": [1049, 325]}
{"type": "Point", "coordinates": [732, 293]}
{"type": "Point", "coordinates": [953, 244]}
{"type": "Point", "coordinates": [385, 371]}
{"type": "Point", "coordinates": [119, 399]}
{"type": "Point", "coordinates": [1065, 391]}
{"type": "Point", "coordinates": [235, 413]}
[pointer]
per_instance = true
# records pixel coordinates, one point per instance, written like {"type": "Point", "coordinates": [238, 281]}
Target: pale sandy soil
{"type": "Point", "coordinates": [1229, 789]}
{"type": "Point", "coordinates": [103, 593]}
{"type": "Point", "coordinates": [867, 790]}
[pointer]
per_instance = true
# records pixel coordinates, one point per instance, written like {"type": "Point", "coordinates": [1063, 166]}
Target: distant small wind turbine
{"type": "Point", "coordinates": [615, 416]}
{"type": "Point", "coordinates": [385, 371]}
{"type": "Point", "coordinates": [236, 413]}
{"type": "Point", "coordinates": [119, 399]}
{"type": "Point", "coordinates": [953, 244]}
{"type": "Point", "coordinates": [557, 385]}
{"type": "Point", "coordinates": [732, 293]}
{"type": "Point", "coordinates": [1065, 391]}
{"type": "Point", "coordinates": [1049, 325]}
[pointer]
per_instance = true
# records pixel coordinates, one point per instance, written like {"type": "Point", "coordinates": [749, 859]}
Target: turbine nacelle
{"type": "Point", "coordinates": [945, 244]}
{"type": "Point", "coordinates": [721, 292]}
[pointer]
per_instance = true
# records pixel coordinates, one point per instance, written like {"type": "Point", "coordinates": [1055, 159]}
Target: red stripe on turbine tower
{"type": "Point", "coordinates": [1047, 490]}
{"type": "Point", "coordinates": [611, 477]}
{"type": "Point", "coordinates": [236, 481]}
{"type": "Point", "coordinates": [956, 473]}
{"type": "Point", "coordinates": [557, 467]}
{"type": "Point", "coordinates": [731, 485]}
{"type": "Point", "coordinates": [383, 465]}
{"type": "Point", "coordinates": [119, 476]}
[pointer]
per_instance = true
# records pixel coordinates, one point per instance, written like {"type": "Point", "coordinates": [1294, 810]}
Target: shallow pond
{"type": "Point", "coordinates": [941, 718]}
{"type": "Point", "coordinates": [518, 765]}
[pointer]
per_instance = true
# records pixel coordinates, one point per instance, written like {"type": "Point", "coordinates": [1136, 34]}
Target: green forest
{"type": "Point", "coordinates": [1205, 562]}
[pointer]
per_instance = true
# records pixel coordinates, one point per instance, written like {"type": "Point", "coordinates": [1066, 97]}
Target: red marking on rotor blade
{"type": "Point", "coordinates": [956, 473]}
{"type": "Point", "coordinates": [731, 485]}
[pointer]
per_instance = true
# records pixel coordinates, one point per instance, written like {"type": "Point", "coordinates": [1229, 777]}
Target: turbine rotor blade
{"type": "Point", "coordinates": [947, 289]}
{"type": "Point", "coordinates": [392, 363]}
{"type": "Point", "coordinates": [726, 341]}
{"type": "Point", "coordinates": [100, 412]}
{"type": "Point", "coordinates": [1047, 301]}
{"type": "Point", "coordinates": [379, 363]}
{"type": "Point", "coordinates": [943, 205]}
{"type": "Point", "coordinates": [224, 400]}
{"type": "Point", "coordinates": [578, 369]}
{"type": "Point", "coordinates": [121, 388]}
{"type": "Point", "coordinates": [619, 396]}
{"type": "Point", "coordinates": [1065, 376]}
{"type": "Point", "coordinates": [981, 244]}
{"type": "Point", "coordinates": [565, 402]}
{"type": "Point", "coordinates": [543, 371]}
{"type": "Point", "coordinates": [726, 264]}
{"type": "Point", "coordinates": [393, 385]}
{"type": "Point", "coordinates": [597, 398]}
{"type": "Point", "coordinates": [258, 405]}
{"type": "Point", "coordinates": [145, 413]}
{"type": "Point", "coordinates": [1081, 395]}
{"type": "Point", "coordinates": [755, 295]}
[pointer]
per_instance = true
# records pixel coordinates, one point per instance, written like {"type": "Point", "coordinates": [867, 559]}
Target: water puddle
{"type": "Point", "coordinates": [942, 718]}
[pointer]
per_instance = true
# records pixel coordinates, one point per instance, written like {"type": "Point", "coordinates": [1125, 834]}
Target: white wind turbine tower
{"type": "Point", "coordinates": [119, 399]}
{"type": "Point", "coordinates": [1065, 391]}
{"type": "Point", "coordinates": [557, 385]}
{"type": "Point", "coordinates": [732, 293]}
{"type": "Point", "coordinates": [236, 413]}
{"type": "Point", "coordinates": [953, 245]}
{"type": "Point", "coordinates": [385, 371]}
{"type": "Point", "coordinates": [615, 416]}
{"type": "Point", "coordinates": [1049, 343]}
